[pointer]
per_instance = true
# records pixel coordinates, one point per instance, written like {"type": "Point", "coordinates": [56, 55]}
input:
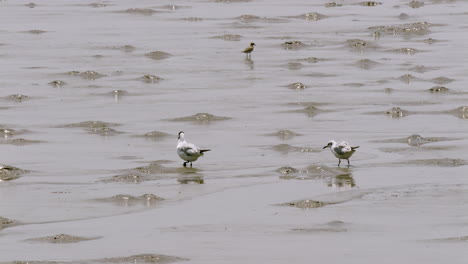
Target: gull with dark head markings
{"type": "Point", "coordinates": [341, 150]}
{"type": "Point", "coordinates": [249, 49]}
{"type": "Point", "coordinates": [188, 151]}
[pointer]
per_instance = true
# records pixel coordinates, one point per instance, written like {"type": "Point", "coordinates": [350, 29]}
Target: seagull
{"type": "Point", "coordinates": [188, 151]}
{"type": "Point", "coordinates": [249, 49]}
{"type": "Point", "coordinates": [342, 150]}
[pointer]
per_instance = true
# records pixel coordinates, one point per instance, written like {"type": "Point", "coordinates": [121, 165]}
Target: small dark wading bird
{"type": "Point", "coordinates": [188, 151]}
{"type": "Point", "coordinates": [249, 49]}
{"type": "Point", "coordinates": [342, 150]}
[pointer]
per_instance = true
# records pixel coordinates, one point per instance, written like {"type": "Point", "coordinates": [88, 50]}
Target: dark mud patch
{"type": "Point", "coordinates": [330, 227]}
{"type": "Point", "coordinates": [396, 112]}
{"type": "Point", "coordinates": [104, 131]}
{"type": "Point", "coordinates": [294, 45]}
{"type": "Point", "coordinates": [149, 78]}
{"type": "Point", "coordinates": [256, 19]}
{"type": "Point", "coordinates": [408, 78]}
{"type": "Point", "coordinates": [90, 124]}
{"type": "Point", "coordinates": [57, 83]}
{"type": "Point", "coordinates": [31, 5]}
{"type": "Point", "coordinates": [357, 85]}
{"type": "Point", "coordinates": [156, 168]}
{"type": "Point", "coordinates": [192, 19]}
{"type": "Point", "coordinates": [436, 162]}
{"type": "Point", "coordinates": [173, 7]}
{"type": "Point", "coordinates": [132, 177]}
{"type": "Point", "coordinates": [404, 16]}
{"type": "Point", "coordinates": [439, 90]}
{"type": "Point", "coordinates": [414, 140]}
{"type": "Point", "coordinates": [8, 173]}
{"type": "Point", "coordinates": [228, 37]}
{"type": "Point", "coordinates": [284, 134]}
{"type": "Point", "coordinates": [116, 94]}
{"type": "Point", "coordinates": [191, 180]}
{"type": "Point", "coordinates": [416, 4]}
{"type": "Point", "coordinates": [96, 127]}
{"type": "Point", "coordinates": [155, 135]}
{"type": "Point", "coordinates": [334, 177]}
{"type": "Point", "coordinates": [286, 148]}
{"type": "Point", "coordinates": [366, 64]}
{"type": "Point", "coordinates": [91, 75]}
{"type": "Point", "coordinates": [407, 51]}
{"type": "Point", "coordinates": [200, 118]}
{"type": "Point", "coordinates": [312, 60]}
{"type": "Point", "coordinates": [312, 16]}
{"type": "Point", "coordinates": [124, 48]}
{"type": "Point", "coordinates": [333, 4]}
{"type": "Point", "coordinates": [60, 239]}
{"type": "Point", "coordinates": [297, 86]}
{"type": "Point", "coordinates": [442, 80]}
{"type": "Point", "coordinates": [142, 258]}
{"type": "Point", "coordinates": [294, 66]}
{"type": "Point", "coordinates": [151, 172]}
{"type": "Point", "coordinates": [139, 11]}
{"type": "Point", "coordinates": [422, 69]}
{"type": "Point", "coordinates": [158, 55]}
{"type": "Point", "coordinates": [369, 3]}
{"type": "Point", "coordinates": [8, 132]}
{"type": "Point", "coordinates": [19, 98]}
{"type": "Point", "coordinates": [306, 204]}
{"type": "Point", "coordinates": [147, 200]}
{"type": "Point", "coordinates": [286, 170]}
{"type": "Point", "coordinates": [20, 142]}
{"type": "Point", "coordinates": [361, 45]}
{"type": "Point", "coordinates": [460, 112]}
{"type": "Point", "coordinates": [430, 41]}
{"type": "Point", "coordinates": [97, 5]}
{"type": "Point", "coordinates": [5, 222]}
{"type": "Point", "coordinates": [418, 28]}
{"type": "Point", "coordinates": [309, 110]}
{"type": "Point", "coordinates": [35, 31]}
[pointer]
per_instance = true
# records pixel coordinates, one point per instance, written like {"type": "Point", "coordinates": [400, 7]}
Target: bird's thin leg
{"type": "Point", "coordinates": [339, 162]}
{"type": "Point", "coordinates": [190, 164]}
{"type": "Point", "coordinates": [185, 164]}
{"type": "Point", "coordinates": [348, 162]}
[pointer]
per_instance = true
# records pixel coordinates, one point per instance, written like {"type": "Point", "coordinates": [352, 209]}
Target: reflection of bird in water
{"type": "Point", "coordinates": [188, 151]}
{"type": "Point", "coordinates": [343, 181]}
{"type": "Point", "coordinates": [341, 150]}
{"type": "Point", "coordinates": [249, 62]}
{"type": "Point", "coordinates": [249, 49]}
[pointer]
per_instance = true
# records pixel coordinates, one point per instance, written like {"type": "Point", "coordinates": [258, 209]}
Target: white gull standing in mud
{"type": "Point", "coordinates": [188, 151]}
{"type": "Point", "coordinates": [341, 150]}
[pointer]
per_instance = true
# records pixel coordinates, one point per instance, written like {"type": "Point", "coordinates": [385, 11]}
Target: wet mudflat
{"type": "Point", "coordinates": [93, 95]}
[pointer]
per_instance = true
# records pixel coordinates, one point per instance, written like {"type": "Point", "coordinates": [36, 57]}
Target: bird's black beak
{"type": "Point", "coordinates": [325, 147]}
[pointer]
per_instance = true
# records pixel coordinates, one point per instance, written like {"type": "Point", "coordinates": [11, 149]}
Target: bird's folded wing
{"type": "Point", "coordinates": [190, 151]}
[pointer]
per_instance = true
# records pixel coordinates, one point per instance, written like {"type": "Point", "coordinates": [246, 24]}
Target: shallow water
{"type": "Point", "coordinates": [147, 66]}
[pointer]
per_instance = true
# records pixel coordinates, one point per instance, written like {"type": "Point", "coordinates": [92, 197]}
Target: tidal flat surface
{"type": "Point", "coordinates": [94, 93]}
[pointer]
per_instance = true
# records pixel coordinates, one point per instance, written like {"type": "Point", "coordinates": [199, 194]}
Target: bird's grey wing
{"type": "Point", "coordinates": [191, 150]}
{"type": "Point", "coordinates": [344, 147]}
{"type": "Point", "coordinates": [340, 150]}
